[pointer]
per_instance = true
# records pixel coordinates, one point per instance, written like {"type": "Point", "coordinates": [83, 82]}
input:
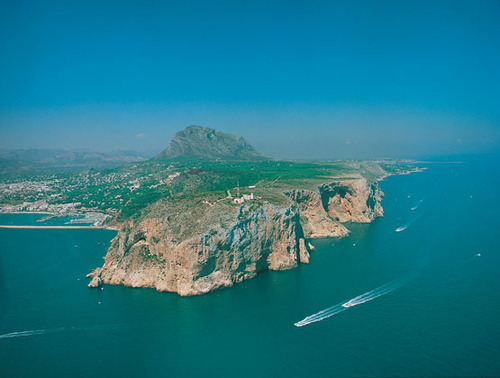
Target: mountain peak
{"type": "Point", "coordinates": [198, 142]}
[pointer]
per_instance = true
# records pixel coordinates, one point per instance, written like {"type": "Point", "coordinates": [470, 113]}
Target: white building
{"type": "Point", "coordinates": [245, 197]}
{"type": "Point", "coordinates": [248, 197]}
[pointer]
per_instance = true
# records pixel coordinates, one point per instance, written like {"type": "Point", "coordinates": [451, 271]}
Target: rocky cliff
{"type": "Point", "coordinates": [193, 249]}
{"type": "Point", "coordinates": [352, 201]}
{"type": "Point", "coordinates": [314, 218]}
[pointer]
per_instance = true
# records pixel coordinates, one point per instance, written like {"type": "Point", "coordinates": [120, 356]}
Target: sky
{"type": "Point", "coordinates": [297, 79]}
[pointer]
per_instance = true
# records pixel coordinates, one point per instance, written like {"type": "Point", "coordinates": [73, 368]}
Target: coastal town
{"type": "Point", "coordinates": [90, 197]}
{"type": "Point", "coordinates": [99, 198]}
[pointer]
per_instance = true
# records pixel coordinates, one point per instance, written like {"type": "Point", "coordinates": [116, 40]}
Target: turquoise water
{"type": "Point", "coordinates": [440, 319]}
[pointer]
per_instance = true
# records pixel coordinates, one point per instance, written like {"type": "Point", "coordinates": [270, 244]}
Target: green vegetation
{"type": "Point", "coordinates": [126, 191]}
{"type": "Point", "coordinates": [200, 168]}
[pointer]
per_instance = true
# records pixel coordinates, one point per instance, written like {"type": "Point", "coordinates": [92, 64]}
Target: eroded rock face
{"type": "Point", "coordinates": [95, 281]}
{"type": "Point", "coordinates": [352, 201]}
{"type": "Point", "coordinates": [261, 237]}
{"type": "Point", "coordinates": [197, 249]}
{"type": "Point", "coordinates": [315, 220]}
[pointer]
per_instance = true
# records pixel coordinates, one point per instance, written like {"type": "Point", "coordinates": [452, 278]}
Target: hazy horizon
{"type": "Point", "coordinates": [334, 80]}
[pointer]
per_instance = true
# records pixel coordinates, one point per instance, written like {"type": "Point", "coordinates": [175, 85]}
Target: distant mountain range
{"type": "Point", "coordinates": [37, 160]}
{"type": "Point", "coordinates": [197, 142]}
{"type": "Point", "coordinates": [192, 143]}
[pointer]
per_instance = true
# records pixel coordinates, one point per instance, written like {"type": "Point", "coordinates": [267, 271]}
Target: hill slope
{"type": "Point", "coordinates": [197, 142]}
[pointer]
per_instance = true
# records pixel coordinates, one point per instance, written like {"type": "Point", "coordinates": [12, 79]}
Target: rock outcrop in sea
{"type": "Point", "coordinates": [189, 249]}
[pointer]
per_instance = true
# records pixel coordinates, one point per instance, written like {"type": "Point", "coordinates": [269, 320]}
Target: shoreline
{"type": "Point", "coordinates": [29, 212]}
{"type": "Point", "coordinates": [59, 227]}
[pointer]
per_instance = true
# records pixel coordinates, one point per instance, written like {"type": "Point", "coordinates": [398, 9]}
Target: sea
{"type": "Point", "coordinates": [415, 293]}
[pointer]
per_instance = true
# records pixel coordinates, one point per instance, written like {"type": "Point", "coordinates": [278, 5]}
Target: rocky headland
{"type": "Point", "coordinates": [221, 213]}
{"type": "Point", "coordinates": [208, 247]}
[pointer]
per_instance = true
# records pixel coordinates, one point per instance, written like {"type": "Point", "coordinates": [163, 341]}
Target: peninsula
{"type": "Point", "coordinates": [226, 213]}
{"type": "Point", "coordinates": [207, 212]}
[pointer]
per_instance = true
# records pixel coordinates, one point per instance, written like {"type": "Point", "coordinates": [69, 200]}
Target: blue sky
{"type": "Point", "coordinates": [298, 79]}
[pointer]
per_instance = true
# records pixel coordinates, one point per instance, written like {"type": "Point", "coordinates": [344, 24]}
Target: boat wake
{"type": "Point", "coordinates": [374, 294]}
{"type": "Point", "coordinates": [36, 332]}
{"type": "Point", "coordinates": [360, 299]}
{"type": "Point", "coordinates": [413, 208]}
{"type": "Point", "coordinates": [322, 315]}
{"type": "Point", "coordinates": [31, 333]}
{"type": "Point", "coordinates": [414, 219]}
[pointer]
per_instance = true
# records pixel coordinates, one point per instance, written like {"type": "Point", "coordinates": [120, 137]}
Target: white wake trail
{"type": "Point", "coordinates": [376, 293]}
{"type": "Point", "coordinates": [415, 207]}
{"type": "Point", "coordinates": [35, 332]}
{"type": "Point", "coordinates": [360, 299]}
{"type": "Point", "coordinates": [409, 223]}
{"type": "Point", "coordinates": [319, 316]}
{"type": "Point", "coordinates": [32, 332]}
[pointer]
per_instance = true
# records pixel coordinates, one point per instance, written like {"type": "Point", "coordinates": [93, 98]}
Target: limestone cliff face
{"type": "Point", "coordinates": [196, 249]}
{"type": "Point", "coordinates": [315, 220]}
{"type": "Point", "coordinates": [352, 201]}
{"type": "Point", "coordinates": [148, 254]}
